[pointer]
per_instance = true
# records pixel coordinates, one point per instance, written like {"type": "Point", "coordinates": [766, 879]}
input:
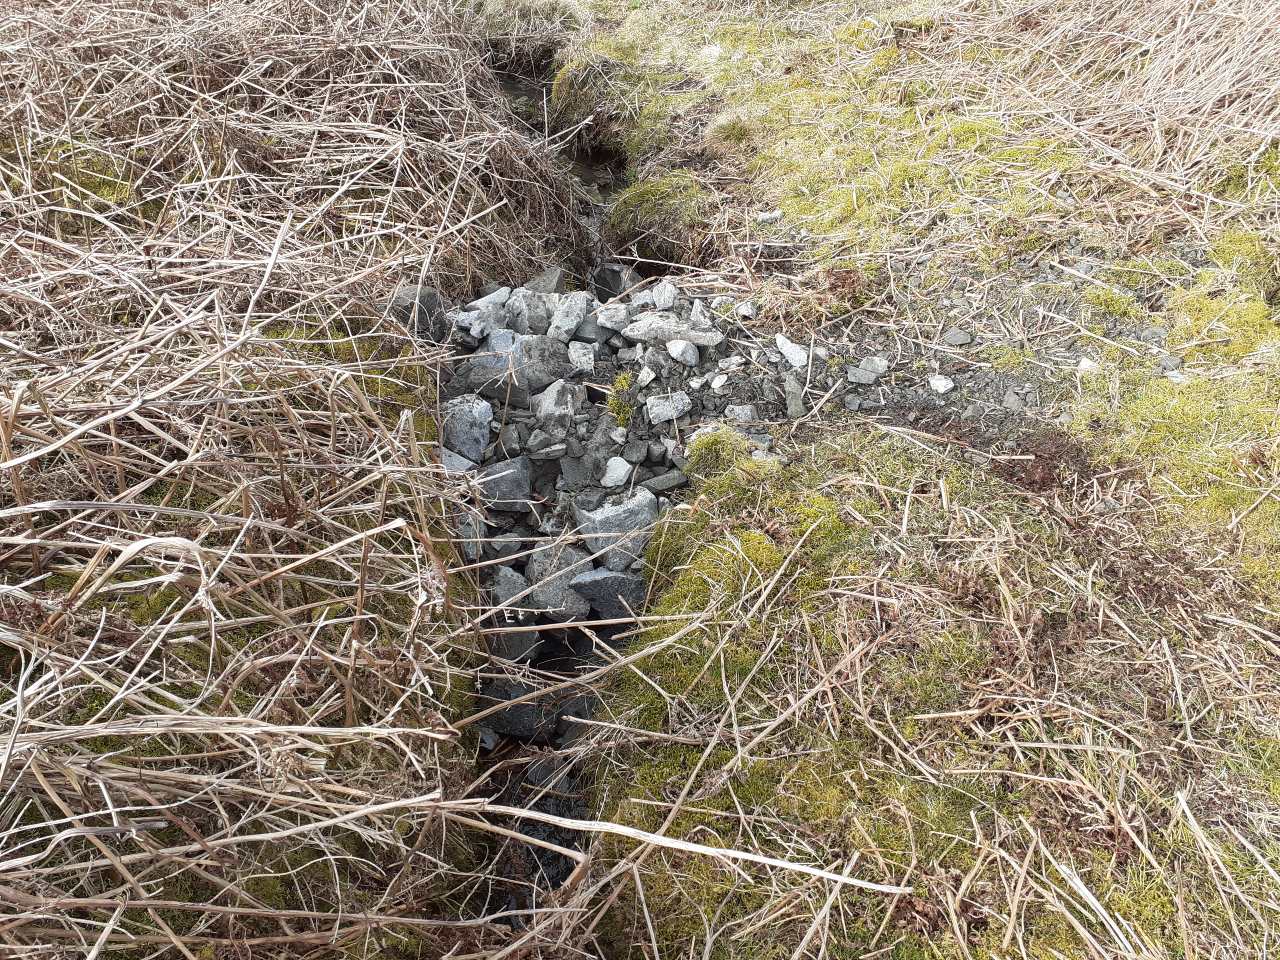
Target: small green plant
{"type": "Point", "coordinates": [620, 404]}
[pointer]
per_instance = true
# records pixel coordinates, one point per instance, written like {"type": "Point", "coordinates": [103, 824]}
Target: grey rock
{"type": "Point", "coordinates": [720, 383]}
{"type": "Point", "coordinates": [793, 390]}
{"type": "Point", "coordinates": [507, 484]}
{"type": "Point", "coordinates": [1012, 401]}
{"type": "Point", "coordinates": [619, 531]}
{"type": "Point", "coordinates": [551, 280]}
{"type": "Point", "coordinates": [665, 295]}
{"type": "Point", "coordinates": [549, 571]}
{"type": "Point", "coordinates": [956, 337]}
{"type": "Point", "coordinates": [666, 481]}
{"type": "Point", "coordinates": [540, 361]}
{"type": "Point", "coordinates": [464, 425]}
{"type": "Point", "coordinates": [860, 377]}
{"type": "Point", "coordinates": [517, 647]}
{"type": "Point", "coordinates": [667, 407]}
{"type": "Point", "coordinates": [746, 310]}
{"type": "Point", "coordinates": [645, 377]}
{"type": "Point", "coordinates": [627, 355]}
{"type": "Point", "coordinates": [575, 474]}
{"type": "Point", "coordinates": [582, 358]}
{"type": "Point", "coordinates": [569, 315]}
{"type": "Point", "coordinates": [1153, 335]}
{"type": "Point", "coordinates": [556, 406]}
{"type": "Point", "coordinates": [657, 452]}
{"type": "Point", "coordinates": [660, 326]}
{"type": "Point", "coordinates": [530, 311]}
{"type": "Point", "coordinates": [613, 316]}
{"type": "Point", "coordinates": [940, 384]}
{"type": "Point", "coordinates": [796, 355]}
{"type": "Point", "coordinates": [635, 451]}
{"type": "Point", "coordinates": [455, 463]}
{"type": "Point", "coordinates": [683, 351]}
{"type": "Point", "coordinates": [877, 365]}
{"type": "Point", "coordinates": [505, 545]}
{"type": "Point", "coordinates": [533, 720]}
{"type": "Point", "coordinates": [612, 594]}
{"type": "Point", "coordinates": [1170, 362]}
{"type": "Point", "coordinates": [553, 452]}
{"type": "Point", "coordinates": [852, 404]}
{"type": "Point", "coordinates": [494, 298]}
{"type": "Point", "coordinates": [507, 585]}
{"type": "Point", "coordinates": [742, 412]}
{"type": "Point", "coordinates": [422, 310]}
{"type": "Point", "coordinates": [616, 473]}
{"type": "Point", "coordinates": [609, 280]}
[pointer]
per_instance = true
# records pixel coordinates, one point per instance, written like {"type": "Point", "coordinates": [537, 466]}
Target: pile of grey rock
{"type": "Point", "coordinates": [569, 414]}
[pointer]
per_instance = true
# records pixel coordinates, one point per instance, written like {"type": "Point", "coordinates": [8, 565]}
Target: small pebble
{"type": "Point", "coordinates": [940, 384]}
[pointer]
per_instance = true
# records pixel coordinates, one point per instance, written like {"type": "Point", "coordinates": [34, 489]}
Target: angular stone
{"type": "Point", "coordinates": [549, 571]}
{"type": "Point", "coordinates": [507, 484]}
{"type": "Point", "coordinates": [635, 451]}
{"type": "Point", "coordinates": [955, 337]}
{"type": "Point", "coordinates": [665, 295]}
{"type": "Point", "coordinates": [556, 406]}
{"type": "Point", "coordinates": [645, 377]}
{"type": "Point", "coordinates": [666, 481]}
{"type": "Point", "coordinates": [666, 407]}
{"type": "Point", "coordinates": [683, 351]}
{"type": "Point", "coordinates": [609, 280]}
{"type": "Point", "coordinates": [530, 311]}
{"type": "Point", "coordinates": [554, 452]}
{"type": "Point", "coordinates": [742, 412]}
{"type": "Point", "coordinates": [569, 315]}
{"type": "Point", "coordinates": [616, 473]}
{"type": "Point", "coordinates": [551, 280]}
{"type": "Point", "coordinates": [464, 425]}
{"type": "Point", "coordinates": [793, 390]}
{"type": "Point", "coordinates": [877, 365]}
{"type": "Point", "coordinates": [422, 310]}
{"type": "Point", "coordinates": [611, 594]}
{"type": "Point", "coordinates": [661, 326]}
{"type": "Point", "coordinates": [455, 463]}
{"type": "Point", "coordinates": [796, 355]}
{"type": "Point", "coordinates": [860, 377]}
{"type": "Point", "coordinates": [539, 361]}
{"type": "Point", "coordinates": [532, 720]}
{"type": "Point", "coordinates": [940, 384]}
{"type": "Point", "coordinates": [613, 316]}
{"type": "Point", "coordinates": [582, 358]}
{"type": "Point", "coordinates": [507, 585]}
{"type": "Point", "coordinates": [618, 532]}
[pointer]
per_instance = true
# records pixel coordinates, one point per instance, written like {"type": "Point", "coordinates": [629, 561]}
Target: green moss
{"type": "Point", "coordinates": [1254, 263]}
{"type": "Point", "coordinates": [715, 452]}
{"type": "Point", "coordinates": [1222, 325]}
{"type": "Point", "coordinates": [1200, 438]}
{"type": "Point", "coordinates": [661, 215]}
{"type": "Point", "coordinates": [1113, 303]}
{"type": "Point", "coordinates": [620, 403]}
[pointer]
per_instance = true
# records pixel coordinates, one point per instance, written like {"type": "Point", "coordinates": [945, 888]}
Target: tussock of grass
{"type": "Point", "coordinates": [908, 670]}
{"type": "Point", "coordinates": [228, 655]}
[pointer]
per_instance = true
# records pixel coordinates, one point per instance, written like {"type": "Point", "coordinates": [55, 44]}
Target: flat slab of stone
{"type": "Point", "coordinates": [507, 485]}
{"type": "Point", "coordinates": [620, 531]}
{"type": "Point", "coordinates": [667, 406]}
{"type": "Point", "coordinates": [464, 425]}
{"type": "Point", "coordinates": [611, 594]}
{"type": "Point", "coordinates": [660, 326]}
{"type": "Point", "coordinates": [796, 355]}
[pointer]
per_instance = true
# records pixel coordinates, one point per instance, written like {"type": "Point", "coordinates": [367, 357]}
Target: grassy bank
{"type": "Point", "coordinates": [1033, 684]}
{"type": "Point", "coordinates": [229, 656]}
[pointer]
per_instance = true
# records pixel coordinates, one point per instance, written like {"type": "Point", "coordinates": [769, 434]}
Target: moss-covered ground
{"type": "Point", "coordinates": [1018, 701]}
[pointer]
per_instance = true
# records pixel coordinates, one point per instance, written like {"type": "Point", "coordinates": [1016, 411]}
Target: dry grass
{"type": "Point", "coordinates": [227, 659]}
{"type": "Point", "coordinates": [1174, 90]}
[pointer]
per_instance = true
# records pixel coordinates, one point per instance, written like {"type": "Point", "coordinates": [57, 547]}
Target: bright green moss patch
{"type": "Point", "coordinates": [1254, 263]}
{"type": "Point", "coordinates": [1221, 324]}
{"type": "Point", "coordinates": [620, 403]}
{"type": "Point", "coordinates": [1206, 443]}
{"type": "Point", "coordinates": [660, 215]}
{"type": "Point", "coordinates": [1113, 303]}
